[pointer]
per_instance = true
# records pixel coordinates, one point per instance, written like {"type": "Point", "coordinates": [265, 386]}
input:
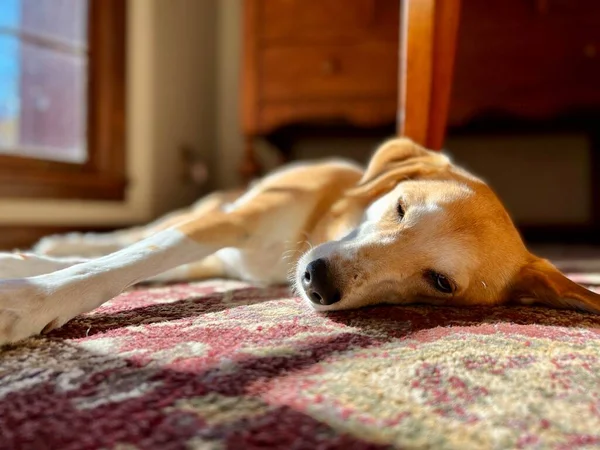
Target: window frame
{"type": "Point", "coordinates": [102, 176]}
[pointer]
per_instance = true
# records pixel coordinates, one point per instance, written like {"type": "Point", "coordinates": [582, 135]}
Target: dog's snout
{"type": "Point", "coordinates": [319, 284]}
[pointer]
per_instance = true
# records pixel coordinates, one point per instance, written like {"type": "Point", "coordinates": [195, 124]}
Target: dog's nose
{"type": "Point", "coordinates": [318, 283]}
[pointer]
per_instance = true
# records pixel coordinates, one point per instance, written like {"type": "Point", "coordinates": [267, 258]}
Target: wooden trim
{"type": "Point", "coordinates": [102, 176]}
{"type": "Point", "coordinates": [19, 163]}
{"type": "Point", "coordinates": [107, 86]}
{"type": "Point", "coordinates": [75, 185]}
{"type": "Point", "coordinates": [428, 43]}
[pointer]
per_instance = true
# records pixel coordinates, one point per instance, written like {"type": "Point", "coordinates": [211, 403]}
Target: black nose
{"type": "Point", "coordinates": [319, 284]}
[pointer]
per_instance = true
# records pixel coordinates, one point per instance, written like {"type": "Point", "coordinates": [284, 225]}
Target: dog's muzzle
{"type": "Point", "coordinates": [319, 283]}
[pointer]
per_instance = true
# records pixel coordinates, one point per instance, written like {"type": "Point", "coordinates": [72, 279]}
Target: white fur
{"type": "Point", "coordinates": [30, 304]}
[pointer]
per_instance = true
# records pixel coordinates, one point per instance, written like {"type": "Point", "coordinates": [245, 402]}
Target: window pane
{"type": "Point", "coordinates": [42, 102]}
{"type": "Point", "coordinates": [10, 13]}
{"type": "Point", "coordinates": [53, 110]}
{"type": "Point", "coordinates": [43, 88]}
{"type": "Point", "coordinates": [9, 92]}
{"type": "Point", "coordinates": [65, 20]}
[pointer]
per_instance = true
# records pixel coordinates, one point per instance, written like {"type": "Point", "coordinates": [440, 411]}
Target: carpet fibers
{"type": "Point", "coordinates": [224, 365]}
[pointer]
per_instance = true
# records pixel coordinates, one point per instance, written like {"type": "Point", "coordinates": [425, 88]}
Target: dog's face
{"type": "Point", "coordinates": [430, 233]}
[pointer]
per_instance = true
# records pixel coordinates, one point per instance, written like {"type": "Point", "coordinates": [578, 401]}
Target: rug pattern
{"type": "Point", "coordinates": [224, 365]}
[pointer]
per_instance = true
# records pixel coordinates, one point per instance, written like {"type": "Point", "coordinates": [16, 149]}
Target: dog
{"type": "Point", "coordinates": [411, 227]}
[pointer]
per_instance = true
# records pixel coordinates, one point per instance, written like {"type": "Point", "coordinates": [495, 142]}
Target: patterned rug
{"type": "Point", "coordinates": [224, 365]}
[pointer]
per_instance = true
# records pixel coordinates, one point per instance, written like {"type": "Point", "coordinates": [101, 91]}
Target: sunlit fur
{"type": "Point", "coordinates": [453, 224]}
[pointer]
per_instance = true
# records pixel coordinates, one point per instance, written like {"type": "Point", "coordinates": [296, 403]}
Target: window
{"type": "Point", "coordinates": [62, 73]}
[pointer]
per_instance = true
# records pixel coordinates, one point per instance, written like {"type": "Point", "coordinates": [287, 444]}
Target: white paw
{"type": "Point", "coordinates": [26, 310]}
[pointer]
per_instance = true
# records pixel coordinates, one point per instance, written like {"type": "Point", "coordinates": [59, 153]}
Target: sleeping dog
{"type": "Point", "coordinates": [412, 227]}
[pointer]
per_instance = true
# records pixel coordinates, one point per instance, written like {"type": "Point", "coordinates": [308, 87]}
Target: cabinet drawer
{"type": "Point", "coordinates": [329, 72]}
{"type": "Point", "coordinates": [328, 20]}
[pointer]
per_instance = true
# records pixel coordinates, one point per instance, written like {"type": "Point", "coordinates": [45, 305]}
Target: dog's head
{"type": "Point", "coordinates": [433, 233]}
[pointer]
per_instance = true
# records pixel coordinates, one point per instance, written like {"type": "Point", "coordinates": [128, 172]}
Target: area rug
{"type": "Point", "coordinates": [226, 365]}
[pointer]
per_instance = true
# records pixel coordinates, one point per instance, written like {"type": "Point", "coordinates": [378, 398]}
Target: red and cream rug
{"type": "Point", "coordinates": [223, 365]}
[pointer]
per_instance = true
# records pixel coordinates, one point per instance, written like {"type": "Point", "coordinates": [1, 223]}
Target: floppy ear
{"type": "Point", "coordinates": [541, 282]}
{"type": "Point", "coordinates": [394, 161]}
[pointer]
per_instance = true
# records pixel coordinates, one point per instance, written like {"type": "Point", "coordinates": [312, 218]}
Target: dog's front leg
{"type": "Point", "coordinates": [32, 305]}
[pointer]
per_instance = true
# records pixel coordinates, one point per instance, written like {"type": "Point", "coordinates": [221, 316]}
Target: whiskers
{"type": "Point", "coordinates": [288, 254]}
{"type": "Point", "coordinates": [292, 279]}
{"type": "Point", "coordinates": [296, 252]}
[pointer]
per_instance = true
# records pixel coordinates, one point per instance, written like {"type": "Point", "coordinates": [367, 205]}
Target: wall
{"type": "Point", "coordinates": [543, 179]}
{"type": "Point", "coordinates": [185, 95]}
{"type": "Point", "coordinates": [171, 102]}
{"type": "Point", "coordinates": [229, 139]}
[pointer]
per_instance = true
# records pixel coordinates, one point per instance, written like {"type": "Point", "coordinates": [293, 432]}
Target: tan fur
{"type": "Point", "coordinates": [454, 224]}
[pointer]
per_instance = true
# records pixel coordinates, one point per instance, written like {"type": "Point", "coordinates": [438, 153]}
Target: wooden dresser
{"type": "Point", "coordinates": [332, 61]}
{"type": "Point", "coordinates": [471, 66]}
{"type": "Point", "coordinates": [526, 59]}
{"type": "Point", "coordinates": [318, 61]}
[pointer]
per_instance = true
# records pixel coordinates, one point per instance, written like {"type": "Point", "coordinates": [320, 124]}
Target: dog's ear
{"type": "Point", "coordinates": [397, 160]}
{"type": "Point", "coordinates": [541, 282]}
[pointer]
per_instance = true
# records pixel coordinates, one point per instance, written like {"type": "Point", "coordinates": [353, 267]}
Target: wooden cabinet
{"type": "Point", "coordinates": [318, 61]}
{"type": "Point", "coordinates": [534, 60]}
{"type": "Point", "coordinates": [320, 21]}
{"type": "Point", "coordinates": [372, 62]}
{"type": "Point", "coordinates": [329, 72]}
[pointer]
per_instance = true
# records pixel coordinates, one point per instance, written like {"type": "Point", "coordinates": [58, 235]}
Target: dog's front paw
{"type": "Point", "coordinates": [27, 310]}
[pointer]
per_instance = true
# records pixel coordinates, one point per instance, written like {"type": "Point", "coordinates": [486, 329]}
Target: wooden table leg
{"type": "Point", "coordinates": [428, 42]}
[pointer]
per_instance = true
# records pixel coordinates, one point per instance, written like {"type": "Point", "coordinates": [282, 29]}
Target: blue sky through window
{"type": "Point", "coordinates": [10, 13]}
{"type": "Point", "coordinates": [10, 16]}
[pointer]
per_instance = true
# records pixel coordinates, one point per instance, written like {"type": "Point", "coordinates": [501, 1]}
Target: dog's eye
{"type": "Point", "coordinates": [400, 210]}
{"type": "Point", "coordinates": [440, 282]}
